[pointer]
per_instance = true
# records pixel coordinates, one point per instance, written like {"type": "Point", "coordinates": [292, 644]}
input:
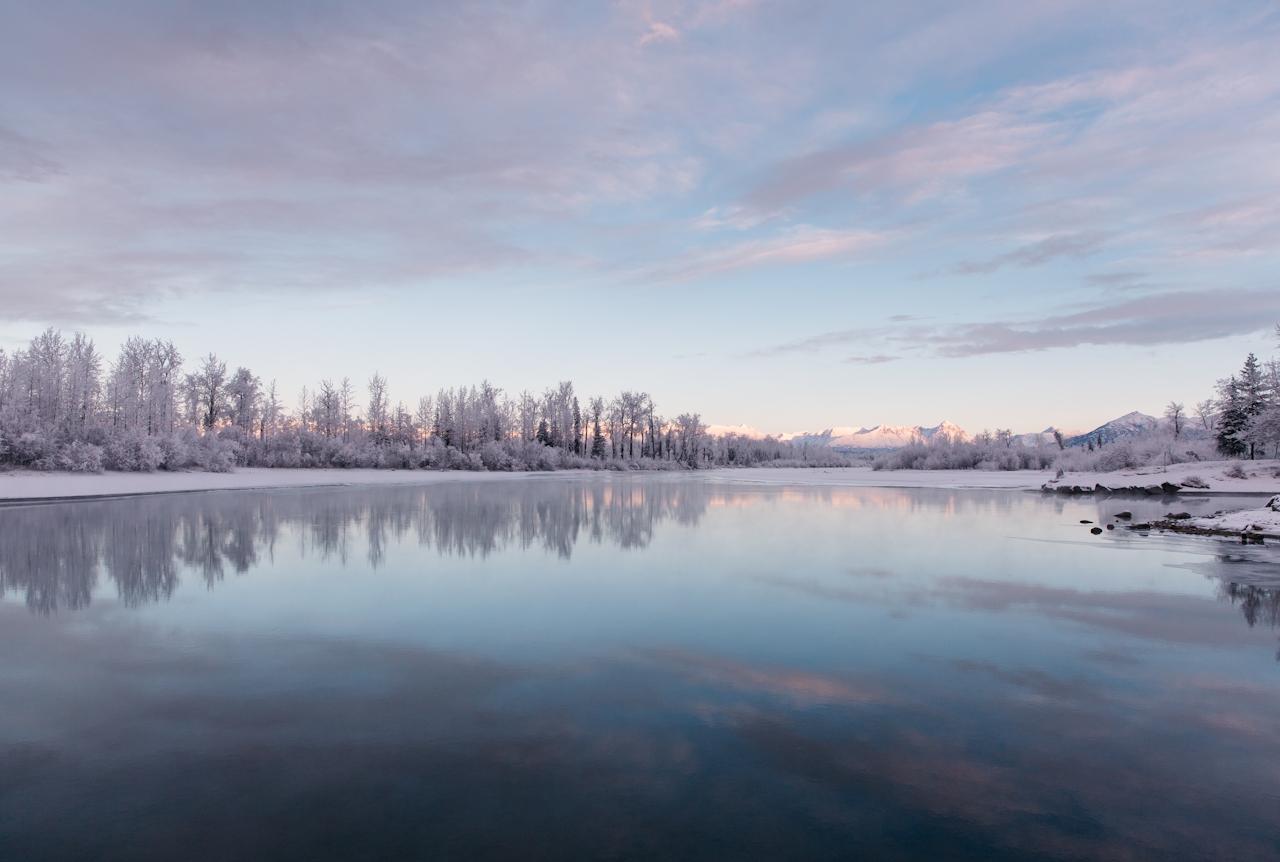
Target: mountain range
{"type": "Point", "coordinates": [886, 438]}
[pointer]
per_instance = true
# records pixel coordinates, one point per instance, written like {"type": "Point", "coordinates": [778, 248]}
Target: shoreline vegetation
{"type": "Point", "coordinates": [63, 409]}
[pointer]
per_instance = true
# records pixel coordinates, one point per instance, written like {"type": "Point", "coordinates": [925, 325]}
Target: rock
{"type": "Point", "coordinates": [1124, 516]}
{"type": "Point", "coordinates": [1154, 489]}
{"type": "Point", "coordinates": [1180, 516]}
{"type": "Point", "coordinates": [1101, 489]}
{"type": "Point", "coordinates": [1111, 526]}
{"type": "Point", "coordinates": [1274, 503]}
{"type": "Point", "coordinates": [1140, 527]}
{"type": "Point", "coordinates": [1170, 488]}
{"type": "Point", "coordinates": [1086, 522]}
{"type": "Point", "coordinates": [1097, 531]}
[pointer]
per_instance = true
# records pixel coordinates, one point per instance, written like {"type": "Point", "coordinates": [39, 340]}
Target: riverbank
{"type": "Point", "coordinates": [1259, 477]}
{"type": "Point", "coordinates": [1246, 524]}
{"type": "Point", "coordinates": [1199, 477]}
{"type": "Point", "coordinates": [47, 486]}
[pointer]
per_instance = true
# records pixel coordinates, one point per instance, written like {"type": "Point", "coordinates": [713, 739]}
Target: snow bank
{"type": "Point", "coordinates": [1217, 477]}
{"type": "Point", "coordinates": [23, 485]}
{"type": "Point", "coordinates": [1260, 523]}
{"type": "Point", "coordinates": [865, 477]}
{"type": "Point", "coordinates": [51, 486]}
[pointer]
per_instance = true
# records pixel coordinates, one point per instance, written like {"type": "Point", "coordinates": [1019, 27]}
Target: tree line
{"type": "Point", "coordinates": [64, 407]}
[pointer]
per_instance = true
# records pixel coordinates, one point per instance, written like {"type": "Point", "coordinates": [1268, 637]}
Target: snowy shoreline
{"type": "Point", "coordinates": [1250, 525]}
{"type": "Point", "coordinates": [22, 486]}
{"type": "Point", "coordinates": [1198, 477]}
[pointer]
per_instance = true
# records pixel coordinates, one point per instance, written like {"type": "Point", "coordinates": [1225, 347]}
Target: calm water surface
{"type": "Point", "coordinates": [633, 667]}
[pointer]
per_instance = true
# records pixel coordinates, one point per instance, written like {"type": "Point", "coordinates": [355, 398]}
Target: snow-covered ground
{"type": "Point", "coordinates": [865, 477]}
{"type": "Point", "coordinates": [1264, 522]}
{"type": "Point", "coordinates": [41, 486]}
{"type": "Point", "coordinates": [1260, 477]}
{"type": "Point", "coordinates": [48, 486]}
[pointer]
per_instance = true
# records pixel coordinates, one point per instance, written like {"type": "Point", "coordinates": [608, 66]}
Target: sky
{"type": "Point", "coordinates": [791, 215]}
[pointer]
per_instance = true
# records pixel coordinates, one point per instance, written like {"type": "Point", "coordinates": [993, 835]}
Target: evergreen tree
{"type": "Point", "coordinates": [597, 440]}
{"type": "Point", "coordinates": [1233, 421]}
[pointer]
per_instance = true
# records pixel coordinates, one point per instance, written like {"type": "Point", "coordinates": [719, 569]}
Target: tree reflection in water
{"type": "Point", "coordinates": [54, 554]}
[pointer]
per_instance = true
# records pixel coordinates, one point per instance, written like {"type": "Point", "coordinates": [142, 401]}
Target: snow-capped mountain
{"type": "Point", "coordinates": [1135, 424]}
{"type": "Point", "coordinates": [886, 438]}
{"type": "Point", "coordinates": [878, 438]}
{"type": "Point", "coordinates": [740, 430]}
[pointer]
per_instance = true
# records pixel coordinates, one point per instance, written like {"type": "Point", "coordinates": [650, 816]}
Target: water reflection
{"type": "Point", "coordinates": [53, 554]}
{"type": "Point", "coordinates": [817, 674]}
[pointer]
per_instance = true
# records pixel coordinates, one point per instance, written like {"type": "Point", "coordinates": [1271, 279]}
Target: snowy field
{"type": "Point", "coordinates": [21, 485]}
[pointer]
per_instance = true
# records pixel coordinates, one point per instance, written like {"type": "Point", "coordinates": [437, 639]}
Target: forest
{"type": "Point", "coordinates": [63, 406]}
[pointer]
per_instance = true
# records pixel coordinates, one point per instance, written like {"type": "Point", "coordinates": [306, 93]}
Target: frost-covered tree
{"type": "Point", "coordinates": [378, 411]}
{"type": "Point", "coordinates": [1206, 412]}
{"type": "Point", "coordinates": [1176, 414]}
{"type": "Point", "coordinates": [205, 392]}
{"type": "Point", "coordinates": [242, 395]}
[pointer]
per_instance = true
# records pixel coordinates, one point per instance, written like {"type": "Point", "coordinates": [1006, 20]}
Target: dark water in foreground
{"type": "Point", "coordinates": [632, 667]}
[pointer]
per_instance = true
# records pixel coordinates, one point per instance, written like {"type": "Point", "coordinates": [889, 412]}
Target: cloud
{"type": "Point", "coordinates": [1174, 317]}
{"type": "Point", "coordinates": [826, 339]}
{"type": "Point", "coordinates": [794, 245]}
{"type": "Point", "coordinates": [25, 160]}
{"type": "Point", "coordinates": [151, 151]}
{"type": "Point", "coordinates": [1039, 253]}
{"type": "Point", "coordinates": [871, 360]}
{"type": "Point", "coordinates": [1168, 318]}
{"type": "Point", "coordinates": [660, 32]}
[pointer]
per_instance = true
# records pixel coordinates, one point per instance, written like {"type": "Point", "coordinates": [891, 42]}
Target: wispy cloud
{"type": "Point", "coordinates": [1168, 318]}
{"type": "Point", "coordinates": [1077, 246]}
{"type": "Point", "coordinates": [150, 152]}
{"type": "Point", "coordinates": [1175, 317]}
{"type": "Point", "coordinates": [793, 245]}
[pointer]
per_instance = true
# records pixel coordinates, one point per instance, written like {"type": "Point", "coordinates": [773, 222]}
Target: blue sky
{"type": "Point", "coordinates": [793, 215]}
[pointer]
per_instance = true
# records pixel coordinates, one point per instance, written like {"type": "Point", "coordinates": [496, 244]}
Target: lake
{"type": "Point", "coordinates": [633, 667]}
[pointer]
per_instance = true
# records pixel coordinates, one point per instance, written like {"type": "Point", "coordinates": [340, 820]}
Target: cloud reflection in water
{"type": "Point", "coordinates": [1005, 716]}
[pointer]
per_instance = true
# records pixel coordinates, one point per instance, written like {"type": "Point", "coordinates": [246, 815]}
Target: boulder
{"type": "Point", "coordinates": [1274, 503]}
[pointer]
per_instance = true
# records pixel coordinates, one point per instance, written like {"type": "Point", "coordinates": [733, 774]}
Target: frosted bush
{"type": "Point", "coordinates": [31, 448]}
{"type": "Point", "coordinates": [80, 457]}
{"type": "Point", "coordinates": [132, 451]}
